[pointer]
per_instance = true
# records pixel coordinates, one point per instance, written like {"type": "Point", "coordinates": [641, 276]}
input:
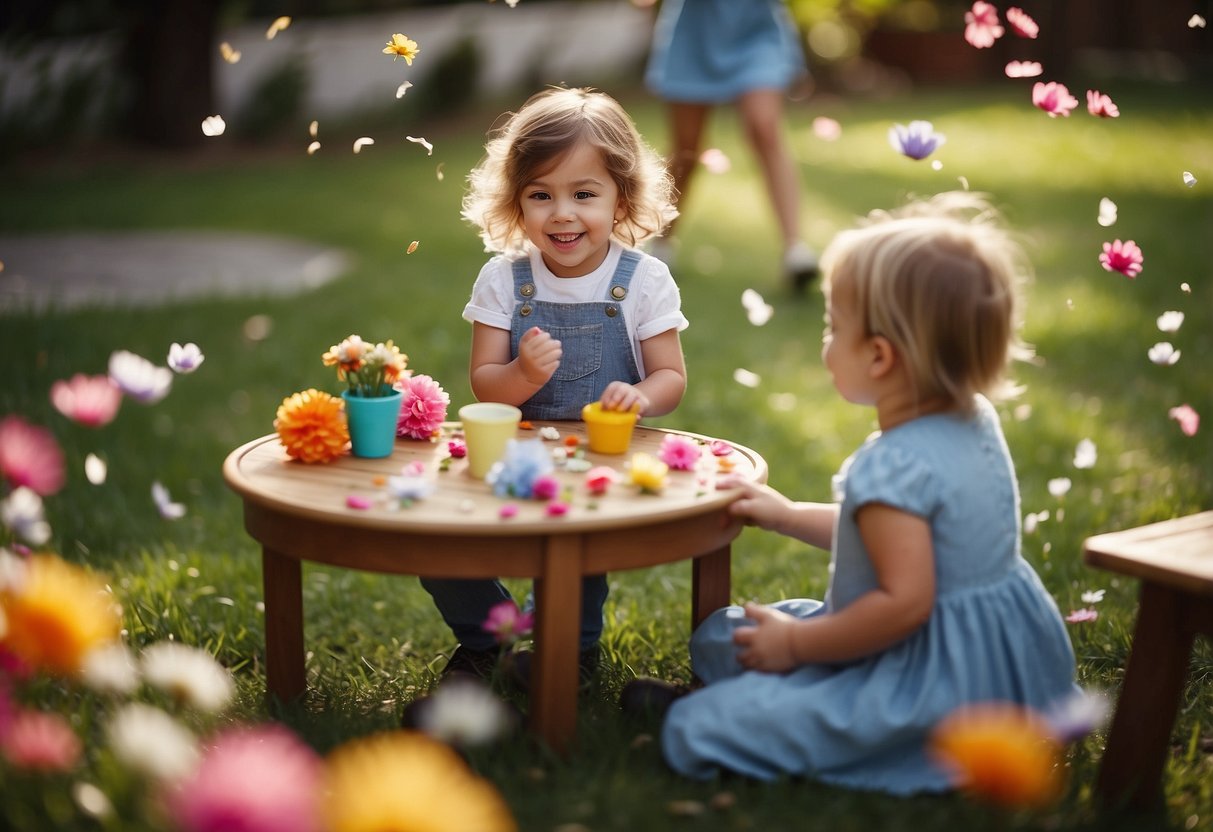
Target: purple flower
{"type": "Point", "coordinates": [139, 378]}
{"type": "Point", "coordinates": [918, 141]}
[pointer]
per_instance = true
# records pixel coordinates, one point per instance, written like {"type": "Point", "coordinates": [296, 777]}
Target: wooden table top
{"type": "Point", "coordinates": [1176, 553]}
{"type": "Point", "coordinates": [261, 472]}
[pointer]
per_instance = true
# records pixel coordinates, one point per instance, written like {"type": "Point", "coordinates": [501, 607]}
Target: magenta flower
{"type": "Point", "coordinates": [1101, 105]}
{"type": "Point", "coordinates": [507, 623]}
{"type": "Point", "coordinates": [918, 141]}
{"type": "Point", "coordinates": [678, 452]}
{"type": "Point", "coordinates": [1021, 23]}
{"type": "Point", "coordinates": [599, 479]}
{"type": "Point", "coordinates": [1053, 98]}
{"type": "Point", "coordinates": [719, 447]}
{"type": "Point", "coordinates": [1189, 419]}
{"type": "Point", "coordinates": [91, 401]}
{"type": "Point", "coordinates": [1082, 616]}
{"type": "Point", "coordinates": [424, 407]}
{"type": "Point", "coordinates": [508, 511]}
{"type": "Point", "coordinates": [39, 741]}
{"type": "Point", "coordinates": [981, 25]}
{"type": "Point", "coordinates": [545, 487]}
{"type": "Point", "coordinates": [30, 456]}
{"type": "Point", "coordinates": [457, 448]}
{"type": "Point", "coordinates": [557, 508]}
{"type": "Point", "coordinates": [1023, 69]}
{"type": "Point", "coordinates": [1125, 257]}
{"type": "Point", "coordinates": [261, 779]}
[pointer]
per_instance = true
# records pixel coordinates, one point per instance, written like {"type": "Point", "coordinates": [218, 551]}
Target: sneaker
{"type": "Point", "coordinates": [517, 667]}
{"type": "Point", "coordinates": [646, 697]}
{"type": "Point", "coordinates": [800, 265]}
{"type": "Point", "coordinates": [481, 664]}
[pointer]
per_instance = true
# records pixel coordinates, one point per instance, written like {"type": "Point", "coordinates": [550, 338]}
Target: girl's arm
{"type": "Point", "coordinates": [495, 378]}
{"type": "Point", "coordinates": [899, 545]}
{"type": "Point", "coordinates": [766, 508]}
{"type": "Point", "coordinates": [664, 383]}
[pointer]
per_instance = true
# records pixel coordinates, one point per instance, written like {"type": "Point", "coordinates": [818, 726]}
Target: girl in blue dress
{"type": "Point", "coordinates": [930, 604]}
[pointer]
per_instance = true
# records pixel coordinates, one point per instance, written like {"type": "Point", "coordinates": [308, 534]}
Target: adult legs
{"type": "Point", "coordinates": [687, 123]}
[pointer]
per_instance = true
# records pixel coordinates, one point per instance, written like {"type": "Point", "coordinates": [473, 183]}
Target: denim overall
{"type": "Point", "coordinates": [596, 350]}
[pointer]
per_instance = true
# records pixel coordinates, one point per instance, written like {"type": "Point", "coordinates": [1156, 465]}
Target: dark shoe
{"type": "Point", "coordinates": [801, 266]}
{"type": "Point", "coordinates": [516, 667]}
{"type": "Point", "coordinates": [481, 664]}
{"type": "Point", "coordinates": [646, 697]}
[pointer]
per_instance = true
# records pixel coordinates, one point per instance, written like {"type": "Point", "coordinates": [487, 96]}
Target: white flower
{"type": "Point", "coordinates": [1163, 354]}
{"type": "Point", "coordinates": [164, 503]}
{"type": "Point", "coordinates": [139, 378]}
{"type": "Point", "coordinates": [1107, 212]}
{"type": "Point", "coordinates": [1093, 596]}
{"type": "Point", "coordinates": [465, 713]}
{"type": "Point", "coordinates": [1059, 487]}
{"type": "Point", "coordinates": [549, 432]}
{"type": "Point", "coordinates": [110, 669]}
{"type": "Point", "coordinates": [1032, 519]}
{"type": "Point", "coordinates": [21, 511]}
{"type": "Point", "coordinates": [1170, 321]}
{"type": "Point", "coordinates": [746, 378]}
{"type": "Point", "coordinates": [189, 675]}
{"type": "Point", "coordinates": [185, 359]}
{"type": "Point", "coordinates": [1085, 454]}
{"type": "Point", "coordinates": [152, 743]}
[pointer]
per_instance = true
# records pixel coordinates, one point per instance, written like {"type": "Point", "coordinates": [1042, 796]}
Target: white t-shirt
{"type": "Point", "coordinates": [652, 306]}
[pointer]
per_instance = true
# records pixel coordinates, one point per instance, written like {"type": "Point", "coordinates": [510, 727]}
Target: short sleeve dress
{"type": "Point", "coordinates": [995, 634]}
{"type": "Point", "coordinates": [712, 51]}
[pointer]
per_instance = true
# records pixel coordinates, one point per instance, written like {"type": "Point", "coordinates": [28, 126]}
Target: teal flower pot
{"type": "Point", "coordinates": [372, 423]}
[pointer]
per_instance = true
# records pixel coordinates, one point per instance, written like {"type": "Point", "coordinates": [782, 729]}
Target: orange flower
{"type": "Point", "coordinates": [312, 427]}
{"type": "Point", "coordinates": [1001, 753]}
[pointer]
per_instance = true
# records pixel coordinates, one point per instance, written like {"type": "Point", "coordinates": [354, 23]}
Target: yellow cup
{"type": "Point", "coordinates": [487, 427]}
{"type": "Point", "coordinates": [608, 431]}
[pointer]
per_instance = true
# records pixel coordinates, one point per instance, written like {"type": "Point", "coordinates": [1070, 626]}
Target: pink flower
{"type": "Point", "coordinates": [719, 447]}
{"type": "Point", "coordinates": [599, 479]}
{"type": "Point", "coordinates": [1101, 105]}
{"type": "Point", "coordinates": [40, 741]}
{"type": "Point", "coordinates": [826, 129]}
{"type": "Point", "coordinates": [507, 511]}
{"type": "Point", "coordinates": [261, 779]}
{"type": "Point", "coordinates": [545, 487]}
{"type": "Point", "coordinates": [1023, 69]}
{"type": "Point", "coordinates": [507, 623]}
{"type": "Point", "coordinates": [457, 448]}
{"type": "Point", "coordinates": [556, 508]}
{"type": "Point", "coordinates": [715, 160]}
{"type": "Point", "coordinates": [1189, 419]}
{"type": "Point", "coordinates": [1053, 98]}
{"type": "Point", "coordinates": [89, 400]}
{"type": "Point", "coordinates": [423, 409]}
{"type": "Point", "coordinates": [358, 502]}
{"type": "Point", "coordinates": [1125, 257]}
{"type": "Point", "coordinates": [30, 456]}
{"type": "Point", "coordinates": [981, 25]}
{"type": "Point", "coordinates": [1021, 23]}
{"type": "Point", "coordinates": [678, 452]}
{"type": "Point", "coordinates": [1082, 616]}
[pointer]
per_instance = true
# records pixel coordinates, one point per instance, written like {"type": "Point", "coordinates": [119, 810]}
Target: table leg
{"type": "Point", "coordinates": [557, 637]}
{"type": "Point", "coordinates": [1131, 769]}
{"type": "Point", "coordinates": [283, 586]}
{"type": "Point", "coordinates": [710, 583]}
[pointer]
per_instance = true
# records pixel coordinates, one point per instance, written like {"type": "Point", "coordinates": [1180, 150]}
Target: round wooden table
{"type": "Point", "coordinates": [301, 512]}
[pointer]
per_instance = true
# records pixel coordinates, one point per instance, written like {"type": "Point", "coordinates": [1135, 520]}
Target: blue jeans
{"type": "Point", "coordinates": [465, 603]}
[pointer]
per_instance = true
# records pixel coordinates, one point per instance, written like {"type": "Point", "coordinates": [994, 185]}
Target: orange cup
{"type": "Point", "coordinates": [608, 431]}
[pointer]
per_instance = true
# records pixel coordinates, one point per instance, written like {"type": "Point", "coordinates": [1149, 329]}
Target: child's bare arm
{"type": "Point", "coordinates": [497, 378]}
{"type": "Point", "coordinates": [664, 383]}
{"type": "Point", "coordinates": [766, 508]}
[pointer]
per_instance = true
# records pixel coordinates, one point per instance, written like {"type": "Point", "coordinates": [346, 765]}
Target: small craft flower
{"type": "Point", "coordinates": [91, 401]}
{"type": "Point", "coordinates": [411, 485]}
{"type": "Point", "coordinates": [1021, 23]}
{"type": "Point", "coordinates": [1023, 69]}
{"type": "Point", "coordinates": [40, 742]}
{"type": "Point", "coordinates": [545, 487]}
{"type": "Point", "coordinates": [23, 513]}
{"type": "Point", "coordinates": [164, 503]}
{"type": "Point", "coordinates": [30, 456]}
{"type": "Point", "coordinates": [1053, 98]}
{"type": "Point", "coordinates": [981, 25]}
{"type": "Point", "coordinates": [599, 479]}
{"type": "Point", "coordinates": [507, 511]}
{"type": "Point", "coordinates": [185, 359]}
{"type": "Point", "coordinates": [1164, 354]}
{"type": "Point", "coordinates": [312, 426]}
{"type": "Point", "coordinates": [1101, 105]}
{"type": "Point", "coordinates": [152, 743]}
{"type": "Point", "coordinates": [401, 46]}
{"type": "Point", "coordinates": [369, 370]}
{"type": "Point", "coordinates": [917, 141]}
{"type": "Point", "coordinates": [424, 407]}
{"type": "Point", "coordinates": [507, 623]}
{"type": "Point", "coordinates": [557, 508]}
{"type": "Point", "coordinates": [358, 502]}
{"type": "Point", "coordinates": [719, 447]}
{"type": "Point", "coordinates": [139, 378]}
{"type": "Point", "coordinates": [514, 475]}
{"type": "Point", "coordinates": [1082, 616]}
{"type": "Point", "coordinates": [1170, 321]}
{"type": "Point", "coordinates": [465, 713]}
{"type": "Point", "coordinates": [549, 433]}
{"type": "Point", "coordinates": [648, 473]}
{"type": "Point", "coordinates": [457, 448]}
{"type": "Point", "coordinates": [1125, 258]}
{"type": "Point", "coordinates": [679, 452]}
{"type": "Point", "coordinates": [189, 675]}
{"type": "Point", "coordinates": [1189, 419]}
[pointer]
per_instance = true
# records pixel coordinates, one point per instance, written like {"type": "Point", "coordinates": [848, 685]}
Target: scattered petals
{"type": "Point", "coordinates": [213, 126]}
{"type": "Point", "coordinates": [185, 359]}
{"type": "Point", "coordinates": [557, 508]}
{"type": "Point", "coordinates": [1023, 69]}
{"type": "Point", "coordinates": [362, 142]}
{"type": "Point", "coordinates": [403, 88]}
{"type": "Point", "coordinates": [1196, 22]}
{"type": "Point", "coordinates": [1022, 24]}
{"type": "Point", "coordinates": [1107, 212]}
{"type": "Point", "coordinates": [312, 148]}
{"type": "Point", "coordinates": [164, 503]}
{"type": "Point", "coordinates": [438, 174]}
{"type": "Point", "coordinates": [91, 401]}
{"type": "Point", "coordinates": [1125, 258]}
{"type": "Point", "coordinates": [826, 129]}
{"type": "Point", "coordinates": [412, 247]}
{"type": "Point", "coordinates": [139, 378]}
{"type": "Point", "coordinates": [1164, 354]}
{"type": "Point", "coordinates": [715, 160]}
{"type": "Point", "coordinates": [507, 511]}
{"type": "Point", "coordinates": [95, 469]}
{"type": "Point", "coordinates": [679, 452]}
{"type": "Point", "coordinates": [1101, 105]}
{"type": "Point", "coordinates": [1059, 486]}
{"type": "Point", "coordinates": [1189, 179]}
{"type": "Point", "coordinates": [401, 46]}
{"type": "Point", "coordinates": [412, 485]}
{"type": "Point", "coordinates": [30, 456]}
{"type": "Point", "coordinates": [746, 378]}
{"type": "Point", "coordinates": [1033, 519]}
{"type": "Point", "coordinates": [758, 311]}
{"type": "Point", "coordinates": [1170, 321]}
{"type": "Point", "coordinates": [1053, 98]}
{"type": "Point", "coordinates": [917, 141]}
{"type": "Point", "coordinates": [358, 502]}
{"type": "Point", "coordinates": [981, 25]}
{"type": "Point", "coordinates": [277, 26]}
{"type": "Point", "coordinates": [1189, 419]}
{"type": "Point", "coordinates": [549, 432]}
{"type": "Point", "coordinates": [1085, 454]}
{"type": "Point", "coordinates": [1083, 615]}
{"type": "Point", "coordinates": [313, 129]}
{"type": "Point", "coordinates": [228, 53]}
{"type": "Point", "coordinates": [515, 474]}
{"type": "Point", "coordinates": [429, 148]}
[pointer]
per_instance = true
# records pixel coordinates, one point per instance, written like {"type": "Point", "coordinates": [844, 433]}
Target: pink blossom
{"type": "Point", "coordinates": [358, 502]}
{"type": "Point", "coordinates": [30, 456]}
{"type": "Point", "coordinates": [40, 741]}
{"type": "Point", "coordinates": [719, 447]}
{"type": "Point", "coordinates": [557, 508]}
{"type": "Point", "coordinates": [1189, 419]}
{"type": "Point", "coordinates": [89, 400]}
{"type": "Point", "coordinates": [1125, 257]}
{"type": "Point", "coordinates": [507, 623]}
{"type": "Point", "coordinates": [261, 779]}
{"type": "Point", "coordinates": [599, 479]}
{"type": "Point", "coordinates": [715, 160]}
{"type": "Point", "coordinates": [424, 407]}
{"type": "Point", "coordinates": [1083, 616]}
{"type": "Point", "coordinates": [545, 487]}
{"type": "Point", "coordinates": [457, 448]}
{"type": "Point", "coordinates": [981, 25]}
{"type": "Point", "coordinates": [1023, 69]}
{"type": "Point", "coordinates": [1021, 23]}
{"type": "Point", "coordinates": [826, 129]}
{"type": "Point", "coordinates": [1101, 105]}
{"type": "Point", "coordinates": [507, 511]}
{"type": "Point", "coordinates": [678, 452]}
{"type": "Point", "coordinates": [1053, 98]}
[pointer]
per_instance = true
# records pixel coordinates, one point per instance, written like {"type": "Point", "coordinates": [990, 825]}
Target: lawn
{"type": "Point", "coordinates": [374, 642]}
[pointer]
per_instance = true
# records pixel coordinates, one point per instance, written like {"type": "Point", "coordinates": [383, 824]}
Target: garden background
{"type": "Point", "coordinates": [375, 642]}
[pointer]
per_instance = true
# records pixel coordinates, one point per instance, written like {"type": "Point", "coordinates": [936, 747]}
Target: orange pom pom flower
{"type": "Point", "coordinates": [312, 426]}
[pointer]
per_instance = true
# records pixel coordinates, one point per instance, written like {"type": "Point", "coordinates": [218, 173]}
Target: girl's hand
{"type": "Point", "coordinates": [768, 645]}
{"type": "Point", "coordinates": [619, 395]}
{"type": "Point", "coordinates": [760, 505]}
{"type": "Point", "coordinates": [539, 355]}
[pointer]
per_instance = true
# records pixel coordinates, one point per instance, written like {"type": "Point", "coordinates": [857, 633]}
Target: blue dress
{"type": "Point", "coordinates": [712, 51]}
{"type": "Point", "coordinates": [994, 633]}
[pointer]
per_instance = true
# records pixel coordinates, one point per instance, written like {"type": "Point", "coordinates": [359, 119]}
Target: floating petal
{"type": "Point", "coordinates": [277, 26]}
{"type": "Point", "coordinates": [213, 126]}
{"type": "Point", "coordinates": [95, 469]}
{"type": "Point", "coordinates": [1107, 212]}
{"type": "Point", "coordinates": [164, 503]}
{"type": "Point", "coordinates": [403, 88]}
{"type": "Point", "coordinates": [229, 54]}
{"type": "Point", "coordinates": [746, 378]}
{"type": "Point", "coordinates": [1101, 105]}
{"type": "Point", "coordinates": [1085, 454]}
{"type": "Point", "coordinates": [1023, 69]}
{"type": "Point", "coordinates": [429, 148]}
{"type": "Point", "coordinates": [715, 160]}
{"type": "Point", "coordinates": [1188, 418]}
{"type": "Point", "coordinates": [1170, 321]}
{"type": "Point", "coordinates": [1189, 179]}
{"type": "Point", "coordinates": [1164, 354]}
{"type": "Point", "coordinates": [401, 46]}
{"type": "Point", "coordinates": [1053, 98]}
{"type": "Point", "coordinates": [313, 147]}
{"type": "Point", "coordinates": [981, 25]}
{"type": "Point", "coordinates": [362, 142]}
{"type": "Point", "coordinates": [826, 129]}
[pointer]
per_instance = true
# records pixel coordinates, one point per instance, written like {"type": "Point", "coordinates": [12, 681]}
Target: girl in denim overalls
{"type": "Point", "coordinates": [569, 312]}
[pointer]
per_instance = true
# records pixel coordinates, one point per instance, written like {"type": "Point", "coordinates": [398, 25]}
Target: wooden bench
{"type": "Point", "coordinates": [1174, 562]}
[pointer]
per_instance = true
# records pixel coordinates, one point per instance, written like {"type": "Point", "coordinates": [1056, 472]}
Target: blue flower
{"type": "Point", "coordinates": [918, 141]}
{"type": "Point", "coordinates": [525, 461]}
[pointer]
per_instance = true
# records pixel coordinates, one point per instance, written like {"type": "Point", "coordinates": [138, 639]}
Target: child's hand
{"type": "Point", "coordinates": [760, 505]}
{"type": "Point", "coordinates": [619, 395]}
{"type": "Point", "coordinates": [768, 645]}
{"type": "Point", "coordinates": [539, 355]}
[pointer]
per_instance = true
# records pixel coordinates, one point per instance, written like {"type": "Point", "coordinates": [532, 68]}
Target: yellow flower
{"type": "Point", "coordinates": [312, 426]}
{"type": "Point", "coordinates": [648, 472]}
{"type": "Point", "coordinates": [404, 781]}
{"type": "Point", "coordinates": [1001, 753]}
{"type": "Point", "coordinates": [402, 47]}
{"type": "Point", "coordinates": [57, 613]}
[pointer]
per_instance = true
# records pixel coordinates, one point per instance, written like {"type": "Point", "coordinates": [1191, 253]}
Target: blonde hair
{"type": "Point", "coordinates": [550, 124]}
{"type": "Point", "coordinates": [941, 280]}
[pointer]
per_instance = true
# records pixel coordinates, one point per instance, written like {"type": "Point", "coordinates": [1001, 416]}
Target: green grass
{"type": "Point", "coordinates": [374, 640]}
